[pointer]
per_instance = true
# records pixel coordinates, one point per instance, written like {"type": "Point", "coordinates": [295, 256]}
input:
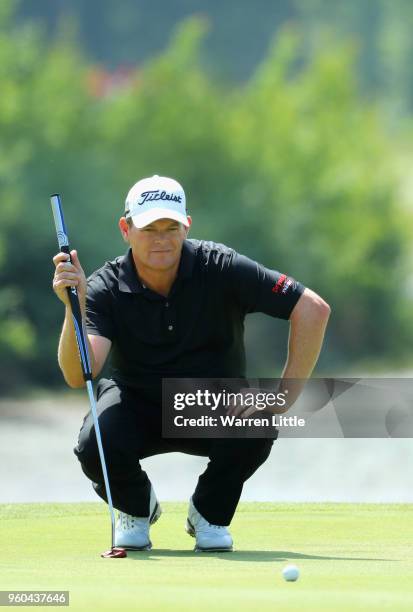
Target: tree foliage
{"type": "Point", "coordinates": [292, 168]}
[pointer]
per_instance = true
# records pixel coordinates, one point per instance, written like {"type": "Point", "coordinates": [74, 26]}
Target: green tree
{"type": "Point", "coordinates": [293, 168]}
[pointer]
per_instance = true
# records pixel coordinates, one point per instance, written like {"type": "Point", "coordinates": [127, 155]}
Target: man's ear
{"type": "Point", "coordinates": [190, 223]}
{"type": "Point", "coordinates": [124, 229]}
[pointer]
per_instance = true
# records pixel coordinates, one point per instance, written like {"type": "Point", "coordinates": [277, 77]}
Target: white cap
{"type": "Point", "coordinates": [155, 198]}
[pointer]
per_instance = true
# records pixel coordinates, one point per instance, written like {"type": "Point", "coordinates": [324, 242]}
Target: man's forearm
{"type": "Point", "coordinates": [304, 346]}
{"type": "Point", "coordinates": [68, 353]}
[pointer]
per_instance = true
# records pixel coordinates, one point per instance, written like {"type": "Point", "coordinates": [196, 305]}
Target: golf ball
{"type": "Point", "coordinates": [290, 573]}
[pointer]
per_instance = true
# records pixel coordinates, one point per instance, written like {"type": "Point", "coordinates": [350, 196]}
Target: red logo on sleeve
{"type": "Point", "coordinates": [282, 285]}
{"type": "Point", "coordinates": [279, 284]}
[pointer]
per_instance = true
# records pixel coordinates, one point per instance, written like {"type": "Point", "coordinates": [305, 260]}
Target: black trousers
{"type": "Point", "coordinates": [131, 427]}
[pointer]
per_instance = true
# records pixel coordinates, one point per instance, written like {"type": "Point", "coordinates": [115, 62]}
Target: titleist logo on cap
{"type": "Point", "coordinates": [150, 196]}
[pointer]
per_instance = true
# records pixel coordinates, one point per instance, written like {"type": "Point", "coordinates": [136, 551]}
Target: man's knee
{"type": "Point", "coordinates": [248, 452]}
{"type": "Point", "coordinates": [260, 451]}
{"type": "Point", "coordinates": [119, 457]}
{"type": "Point", "coordinates": [88, 454]}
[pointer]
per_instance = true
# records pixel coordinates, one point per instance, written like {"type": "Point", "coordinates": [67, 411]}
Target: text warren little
{"type": "Point", "coordinates": [233, 421]}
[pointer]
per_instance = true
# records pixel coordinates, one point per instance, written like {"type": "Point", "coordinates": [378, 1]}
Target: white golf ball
{"type": "Point", "coordinates": [290, 573]}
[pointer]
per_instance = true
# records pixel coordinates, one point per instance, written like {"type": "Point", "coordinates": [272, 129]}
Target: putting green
{"type": "Point", "coordinates": [351, 557]}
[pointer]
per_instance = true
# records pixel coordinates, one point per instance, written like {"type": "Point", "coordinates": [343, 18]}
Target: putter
{"type": "Point", "coordinates": [81, 338]}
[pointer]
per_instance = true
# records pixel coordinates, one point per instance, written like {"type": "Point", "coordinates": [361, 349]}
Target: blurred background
{"type": "Point", "coordinates": [288, 123]}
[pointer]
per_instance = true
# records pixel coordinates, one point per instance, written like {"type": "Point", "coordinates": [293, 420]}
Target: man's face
{"type": "Point", "coordinates": [157, 245]}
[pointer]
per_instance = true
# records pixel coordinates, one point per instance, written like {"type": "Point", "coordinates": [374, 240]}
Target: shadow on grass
{"type": "Point", "coordinates": [260, 556]}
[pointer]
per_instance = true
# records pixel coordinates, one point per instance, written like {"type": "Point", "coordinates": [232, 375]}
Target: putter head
{"type": "Point", "coordinates": [114, 553]}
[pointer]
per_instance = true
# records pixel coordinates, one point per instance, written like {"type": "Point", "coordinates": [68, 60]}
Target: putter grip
{"type": "Point", "coordinates": [63, 242]}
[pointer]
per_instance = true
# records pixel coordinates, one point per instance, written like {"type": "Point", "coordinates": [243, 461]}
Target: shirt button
{"type": "Point", "coordinates": [170, 327]}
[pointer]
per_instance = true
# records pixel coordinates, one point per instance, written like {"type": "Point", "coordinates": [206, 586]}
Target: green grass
{"type": "Point", "coordinates": [351, 557]}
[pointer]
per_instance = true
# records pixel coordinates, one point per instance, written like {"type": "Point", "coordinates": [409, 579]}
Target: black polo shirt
{"type": "Point", "coordinates": [198, 330]}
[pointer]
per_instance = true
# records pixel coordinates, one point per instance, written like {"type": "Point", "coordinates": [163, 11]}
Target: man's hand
{"type": "Point", "coordinates": [238, 408]}
{"type": "Point", "coordinates": [69, 275]}
{"type": "Point", "coordinates": [265, 400]}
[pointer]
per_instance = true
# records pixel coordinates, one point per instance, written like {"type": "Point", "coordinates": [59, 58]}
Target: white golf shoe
{"type": "Point", "coordinates": [132, 532]}
{"type": "Point", "coordinates": [209, 538]}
